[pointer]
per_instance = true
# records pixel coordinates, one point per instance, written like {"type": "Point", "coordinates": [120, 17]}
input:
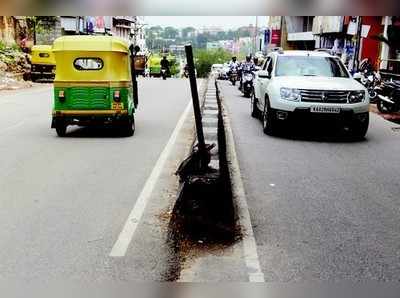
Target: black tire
{"type": "Point", "coordinates": [128, 127]}
{"type": "Point", "coordinates": [233, 82]}
{"type": "Point", "coordinates": [247, 94]}
{"type": "Point", "coordinates": [268, 121]}
{"type": "Point", "coordinates": [255, 112]}
{"type": "Point", "coordinates": [384, 107]}
{"type": "Point", "coordinates": [359, 129]}
{"type": "Point", "coordinates": [61, 129]}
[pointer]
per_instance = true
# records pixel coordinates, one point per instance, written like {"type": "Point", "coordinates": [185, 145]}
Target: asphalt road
{"type": "Point", "coordinates": [64, 201]}
{"type": "Point", "coordinates": [321, 208]}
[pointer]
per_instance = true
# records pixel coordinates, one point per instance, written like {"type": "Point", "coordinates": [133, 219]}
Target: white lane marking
{"type": "Point", "coordinates": [125, 237]}
{"type": "Point", "coordinates": [249, 243]}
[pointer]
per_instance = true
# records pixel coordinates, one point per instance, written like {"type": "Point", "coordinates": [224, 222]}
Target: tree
{"type": "Point", "coordinates": [204, 59]}
{"type": "Point", "coordinates": [188, 32]}
{"type": "Point", "coordinates": [39, 24]}
{"type": "Point", "coordinates": [170, 33]}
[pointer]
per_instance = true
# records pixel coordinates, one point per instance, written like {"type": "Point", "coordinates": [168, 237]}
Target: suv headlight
{"type": "Point", "coordinates": [290, 94]}
{"type": "Point", "coordinates": [356, 96]}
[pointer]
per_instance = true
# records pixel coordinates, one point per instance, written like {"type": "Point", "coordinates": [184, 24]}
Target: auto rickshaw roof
{"type": "Point", "coordinates": [90, 43]}
{"type": "Point", "coordinates": [42, 48]}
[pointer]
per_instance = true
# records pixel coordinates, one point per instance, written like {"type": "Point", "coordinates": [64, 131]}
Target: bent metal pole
{"type": "Point", "coordinates": [195, 99]}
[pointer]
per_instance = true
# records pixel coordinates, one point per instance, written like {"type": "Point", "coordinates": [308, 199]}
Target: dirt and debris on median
{"type": "Point", "coordinates": [13, 65]}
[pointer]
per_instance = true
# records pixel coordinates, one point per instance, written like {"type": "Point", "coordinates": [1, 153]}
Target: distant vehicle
{"type": "Point", "coordinates": [216, 70]}
{"type": "Point", "coordinates": [94, 83]}
{"type": "Point", "coordinates": [233, 76]}
{"type": "Point", "coordinates": [154, 65]}
{"type": "Point", "coordinates": [43, 63]}
{"type": "Point", "coordinates": [294, 85]}
{"type": "Point", "coordinates": [224, 72]}
{"type": "Point", "coordinates": [140, 64]}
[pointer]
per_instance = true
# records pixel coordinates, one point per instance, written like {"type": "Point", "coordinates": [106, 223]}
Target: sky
{"type": "Point", "coordinates": [225, 22]}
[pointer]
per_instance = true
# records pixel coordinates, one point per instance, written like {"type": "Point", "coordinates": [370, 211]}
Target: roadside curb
{"type": "Point", "coordinates": [393, 117]}
{"type": "Point", "coordinates": [240, 203]}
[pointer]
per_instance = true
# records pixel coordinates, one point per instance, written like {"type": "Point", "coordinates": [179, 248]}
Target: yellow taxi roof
{"type": "Point", "coordinates": [90, 43]}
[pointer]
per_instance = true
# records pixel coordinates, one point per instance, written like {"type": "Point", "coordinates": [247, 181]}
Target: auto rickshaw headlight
{"type": "Point", "coordinates": [61, 95]}
{"type": "Point", "coordinates": [117, 96]}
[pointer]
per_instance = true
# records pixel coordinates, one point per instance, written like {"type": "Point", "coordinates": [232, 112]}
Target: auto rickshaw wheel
{"type": "Point", "coordinates": [128, 127]}
{"type": "Point", "coordinates": [61, 129]}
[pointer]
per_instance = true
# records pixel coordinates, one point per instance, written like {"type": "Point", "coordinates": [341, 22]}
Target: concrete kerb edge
{"type": "Point", "coordinates": [239, 199]}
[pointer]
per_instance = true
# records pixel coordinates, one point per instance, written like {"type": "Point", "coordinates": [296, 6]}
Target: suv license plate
{"type": "Point", "coordinates": [329, 110]}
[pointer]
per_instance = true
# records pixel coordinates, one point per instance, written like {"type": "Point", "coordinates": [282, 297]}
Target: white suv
{"type": "Point", "coordinates": [293, 86]}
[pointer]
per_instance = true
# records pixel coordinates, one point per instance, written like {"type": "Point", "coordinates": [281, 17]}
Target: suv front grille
{"type": "Point", "coordinates": [327, 96]}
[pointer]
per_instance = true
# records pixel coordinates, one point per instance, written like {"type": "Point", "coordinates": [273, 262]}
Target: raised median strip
{"type": "Point", "coordinates": [207, 222]}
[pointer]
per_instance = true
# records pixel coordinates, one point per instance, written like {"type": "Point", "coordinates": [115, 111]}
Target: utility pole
{"type": "Point", "coordinates": [255, 35]}
{"type": "Point", "coordinates": [356, 60]}
{"type": "Point", "coordinates": [384, 47]}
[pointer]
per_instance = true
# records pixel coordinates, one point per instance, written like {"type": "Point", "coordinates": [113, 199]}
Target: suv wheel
{"type": "Point", "coordinates": [359, 128]}
{"type": "Point", "coordinates": [269, 125]}
{"type": "Point", "coordinates": [255, 112]}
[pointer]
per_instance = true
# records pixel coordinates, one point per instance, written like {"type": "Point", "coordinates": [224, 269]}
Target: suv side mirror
{"type": "Point", "coordinates": [264, 74]}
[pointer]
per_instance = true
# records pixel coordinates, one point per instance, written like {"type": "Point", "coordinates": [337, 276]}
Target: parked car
{"type": "Point", "coordinates": [216, 70]}
{"type": "Point", "coordinates": [293, 86]}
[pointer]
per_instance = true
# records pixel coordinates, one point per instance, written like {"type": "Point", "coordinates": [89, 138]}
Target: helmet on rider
{"type": "Point", "coordinates": [248, 58]}
{"type": "Point", "coordinates": [255, 60]}
{"type": "Point", "coordinates": [234, 58]}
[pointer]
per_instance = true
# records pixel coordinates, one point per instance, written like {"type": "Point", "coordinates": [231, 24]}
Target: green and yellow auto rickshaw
{"type": "Point", "coordinates": [94, 83]}
{"type": "Point", "coordinates": [154, 65]}
{"type": "Point", "coordinates": [43, 63]}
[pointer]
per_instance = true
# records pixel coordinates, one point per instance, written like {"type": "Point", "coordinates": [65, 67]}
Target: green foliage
{"type": "Point", "coordinates": [158, 37]}
{"type": "Point", "coordinates": [204, 59]}
{"type": "Point", "coordinates": [174, 67]}
{"type": "Point", "coordinates": [2, 46]}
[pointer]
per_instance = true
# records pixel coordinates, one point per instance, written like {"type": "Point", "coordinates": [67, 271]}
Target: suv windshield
{"type": "Point", "coordinates": [310, 66]}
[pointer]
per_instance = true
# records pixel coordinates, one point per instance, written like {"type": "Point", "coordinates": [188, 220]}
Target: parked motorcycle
{"type": "Point", "coordinates": [370, 79]}
{"type": "Point", "coordinates": [388, 97]}
{"type": "Point", "coordinates": [247, 84]}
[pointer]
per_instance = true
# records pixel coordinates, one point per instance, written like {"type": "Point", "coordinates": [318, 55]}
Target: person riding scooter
{"type": "Point", "coordinates": [164, 67]}
{"type": "Point", "coordinates": [233, 70]}
{"type": "Point", "coordinates": [247, 67]}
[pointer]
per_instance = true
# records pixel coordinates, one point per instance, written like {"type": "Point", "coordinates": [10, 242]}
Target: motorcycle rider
{"type": "Point", "coordinates": [233, 65]}
{"type": "Point", "coordinates": [246, 66]}
{"type": "Point", "coordinates": [164, 63]}
{"type": "Point", "coordinates": [366, 66]}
